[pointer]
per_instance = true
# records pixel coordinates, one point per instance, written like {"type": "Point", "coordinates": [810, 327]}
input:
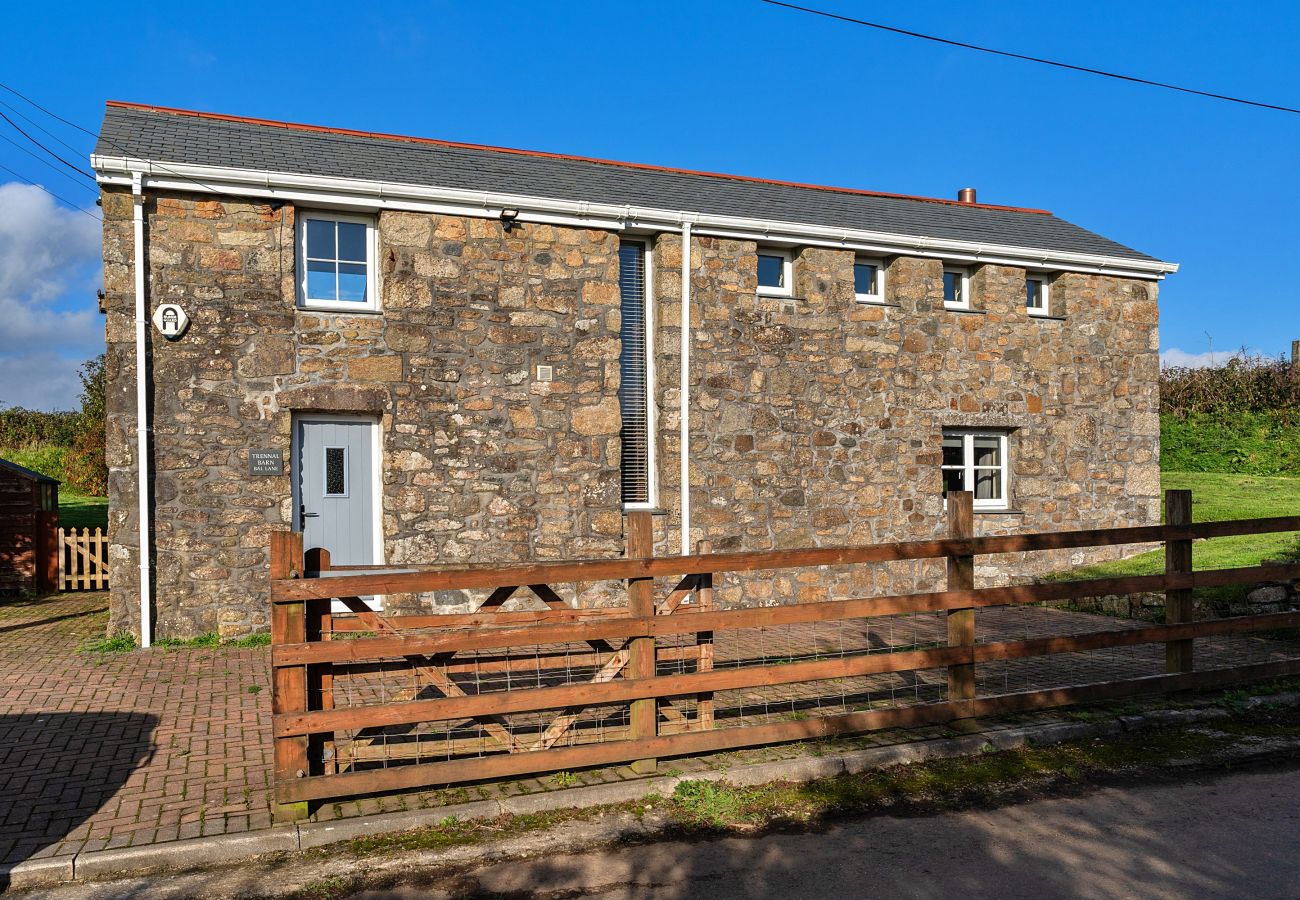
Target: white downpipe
{"type": "Point", "coordinates": [684, 391]}
{"type": "Point", "coordinates": [141, 410]}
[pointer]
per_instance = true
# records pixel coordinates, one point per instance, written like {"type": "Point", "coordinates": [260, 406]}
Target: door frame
{"type": "Point", "coordinates": [376, 479]}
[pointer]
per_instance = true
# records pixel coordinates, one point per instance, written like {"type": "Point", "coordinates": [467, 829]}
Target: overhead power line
{"type": "Point", "coordinates": [37, 125]}
{"type": "Point", "coordinates": [1034, 59]}
{"type": "Point", "coordinates": [45, 162]}
{"type": "Point", "coordinates": [51, 193]}
{"type": "Point", "coordinates": [72, 166]}
{"type": "Point", "coordinates": [107, 140]}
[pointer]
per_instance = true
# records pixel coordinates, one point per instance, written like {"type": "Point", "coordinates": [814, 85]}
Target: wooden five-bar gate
{"type": "Point", "coordinates": [369, 701]}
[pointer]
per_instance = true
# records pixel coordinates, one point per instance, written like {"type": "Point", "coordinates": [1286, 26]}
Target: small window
{"type": "Point", "coordinates": [774, 272]}
{"type": "Point", "coordinates": [976, 461]}
{"type": "Point", "coordinates": [636, 371]}
{"type": "Point", "coordinates": [869, 281]}
{"type": "Point", "coordinates": [336, 256]}
{"type": "Point", "coordinates": [1037, 294]}
{"type": "Point", "coordinates": [956, 288]}
{"type": "Point", "coordinates": [336, 471]}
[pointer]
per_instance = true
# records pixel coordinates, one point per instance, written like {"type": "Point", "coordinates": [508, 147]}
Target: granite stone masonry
{"type": "Point", "coordinates": [816, 420]}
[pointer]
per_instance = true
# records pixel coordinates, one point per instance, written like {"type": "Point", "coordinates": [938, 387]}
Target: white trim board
{"type": "Point", "coordinates": [361, 194]}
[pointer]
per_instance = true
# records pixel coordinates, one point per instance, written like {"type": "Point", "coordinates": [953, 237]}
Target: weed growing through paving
{"type": "Point", "coordinates": [213, 640]}
{"type": "Point", "coordinates": [564, 779]}
{"type": "Point", "coordinates": [117, 643]}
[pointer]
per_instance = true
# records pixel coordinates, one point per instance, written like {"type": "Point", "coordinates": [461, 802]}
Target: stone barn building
{"type": "Point", "coordinates": [424, 351]}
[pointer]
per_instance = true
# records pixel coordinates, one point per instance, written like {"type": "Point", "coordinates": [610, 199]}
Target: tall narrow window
{"type": "Point", "coordinates": [956, 289]}
{"type": "Point", "coordinates": [1037, 294]}
{"type": "Point", "coordinates": [868, 281]}
{"type": "Point", "coordinates": [635, 375]}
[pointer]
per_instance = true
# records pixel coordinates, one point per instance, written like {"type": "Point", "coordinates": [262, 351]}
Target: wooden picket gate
{"type": "Point", "coordinates": [83, 559]}
{"type": "Point", "coordinates": [377, 701]}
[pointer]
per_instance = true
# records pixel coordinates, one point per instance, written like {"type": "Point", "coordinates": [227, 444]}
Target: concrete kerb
{"type": "Point", "coordinates": [200, 852]}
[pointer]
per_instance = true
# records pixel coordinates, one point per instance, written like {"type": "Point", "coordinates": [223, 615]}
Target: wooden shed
{"type": "Point", "coordinates": [29, 530]}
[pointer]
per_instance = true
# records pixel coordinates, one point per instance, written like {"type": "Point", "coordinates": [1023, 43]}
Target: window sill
{"type": "Point", "coordinates": [1046, 317]}
{"type": "Point", "coordinates": [775, 295]}
{"type": "Point", "coordinates": [866, 301]}
{"type": "Point", "coordinates": [964, 309]}
{"type": "Point", "coordinates": [999, 512]}
{"type": "Point", "coordinates": [338, 311]}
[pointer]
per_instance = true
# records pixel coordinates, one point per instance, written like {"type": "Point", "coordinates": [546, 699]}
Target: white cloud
{"type": "Point", "coordinates": [1175, 358]}
{"type": "Point", "coordinates": [49, 270]}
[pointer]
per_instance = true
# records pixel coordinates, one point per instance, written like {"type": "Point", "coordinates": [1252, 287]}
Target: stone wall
{"type": "Point", "coordinates": [816, 420]}
{"type": "Point", "coordinates": [481, 461]}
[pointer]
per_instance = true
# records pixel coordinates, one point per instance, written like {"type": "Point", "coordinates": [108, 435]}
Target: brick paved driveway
{"type": "Point", "coordinates": [109, 750]}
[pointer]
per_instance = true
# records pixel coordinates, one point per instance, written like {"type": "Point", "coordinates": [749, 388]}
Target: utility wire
{"type": "Point", "coordinates": [101, 137]}
{"type": "Point", "coordinates": [1036, 59]}
{"type": "Point", "coordinates": [29, 120]}
{"type": "Point", "coordinates": [72, 166]}
{"type": "Point", "coordinates": [51, 193]}
{"type": "Point", "coordinates": [45, 162]}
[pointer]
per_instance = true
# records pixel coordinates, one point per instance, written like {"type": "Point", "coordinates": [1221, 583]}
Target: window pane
{"type": "Point", "coordinates": [864, 278]}
{"type": "Point", "coordinates": [954, 480]}
{"type": "Point", "coordinates": [988, 484]}
{"type": "Point", "coordinates": [952, 452]}
{"type": "Point", "coordinates": [988, 451]}
{"type": "Point", "coordinates": [952, 287]}
{"type": "Point", "coordinates": [1034, 294]}
{"type": "Point", "coordinates": [352, 282]}
{"type": "Point", "coordinates": [320, 239]}
{"type": "Point", "coordinates": [771, 271]}
{"type": "Point", "coordinates": [320, 281]}
{"type": "Point", "coordinates": [336, 480]}
{"type": "Point", "coordinates": [352, 242]}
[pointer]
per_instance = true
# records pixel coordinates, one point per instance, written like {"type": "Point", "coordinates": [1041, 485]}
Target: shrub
{"type": "Point", "coordinates": [1244, 384]}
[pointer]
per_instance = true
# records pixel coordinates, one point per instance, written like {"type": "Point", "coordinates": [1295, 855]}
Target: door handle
{"type": "Point", "coordinates": [308, 515]}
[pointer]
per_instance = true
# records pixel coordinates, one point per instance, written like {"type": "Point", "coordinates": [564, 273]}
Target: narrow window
{"type": "Point", "coordinates": [635, 376]}
{"type": "Point", "coordinates": [956, 288]}
{"type": "Point", "coordinates": [976, 461]}
{"type": "Point", "coordinates": [869, 281]}
{"type": "Point", "coordinates": [1037, 295]}
{"type": "Point", "coordinates": [336, 471]}
{"type": "Point", "coordinates": [774, 272]}
{"type": "Point", "coordinates": [336, 256]}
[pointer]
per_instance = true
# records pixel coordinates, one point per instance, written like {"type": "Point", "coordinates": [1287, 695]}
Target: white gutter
{"type": "Point", "coordinates": [364, 194]}
{"type": "Point", "coordinates": [141, 409]}
{"type": "Point", "coordinates": [684, 391]}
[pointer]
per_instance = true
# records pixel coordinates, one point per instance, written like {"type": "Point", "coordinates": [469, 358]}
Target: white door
{"type": "Point", "coordinates": [335, 468]}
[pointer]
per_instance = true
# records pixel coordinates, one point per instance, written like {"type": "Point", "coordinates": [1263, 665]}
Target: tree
{"type": "Point", "coordinates": [84, 466]}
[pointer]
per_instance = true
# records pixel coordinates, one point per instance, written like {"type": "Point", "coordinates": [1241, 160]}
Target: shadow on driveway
{"type": "Point", "coordinates": [57, 769]}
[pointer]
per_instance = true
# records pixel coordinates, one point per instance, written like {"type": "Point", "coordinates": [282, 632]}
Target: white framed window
{"type": "Point", "coordinates": [976, 461]}
{"type": "Point", "coordinates": [956, 288]}
{"type": "Point", "coordinates": [336, 262]}
{"type": "Point", "coordinates": [868, 280]}
{"type": "Point", "coordinates": [775, 272]}
{"type": "Point", "coordinates": [1038, 294]}
{"type": "Point", "coordinates": [637, 375]}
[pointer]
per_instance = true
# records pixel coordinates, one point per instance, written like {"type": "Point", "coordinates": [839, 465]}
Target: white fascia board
{"type": "Point", "coordinates": [362, 194]}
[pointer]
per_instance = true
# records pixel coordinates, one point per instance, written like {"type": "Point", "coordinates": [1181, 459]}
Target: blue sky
{"type": "Point", "coordinates": [731, 86]}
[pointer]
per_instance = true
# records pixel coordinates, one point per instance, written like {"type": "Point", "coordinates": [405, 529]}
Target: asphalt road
{"type": "Point", "coordinates": [1231, 836]}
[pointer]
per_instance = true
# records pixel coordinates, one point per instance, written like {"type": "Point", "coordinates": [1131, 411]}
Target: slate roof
{"type": "Point", "coordinates": [180, 136]}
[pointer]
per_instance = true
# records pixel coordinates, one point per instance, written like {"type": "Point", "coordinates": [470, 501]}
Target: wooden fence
{"type": "Point", "coordinates": [83, 559]}
{"type": "Point", "coordinates": [651, 667]}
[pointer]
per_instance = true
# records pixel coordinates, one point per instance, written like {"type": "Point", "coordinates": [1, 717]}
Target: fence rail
{"type": "Point", "coordinates": [376, 701]}
{"type": "Point", "coordinates": [83, 559]}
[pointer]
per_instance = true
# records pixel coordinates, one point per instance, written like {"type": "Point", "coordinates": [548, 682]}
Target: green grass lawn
{"type": "Point", "coordinates": [82, 510]}
{"type": "Point", "coordinates": [1217, 496]}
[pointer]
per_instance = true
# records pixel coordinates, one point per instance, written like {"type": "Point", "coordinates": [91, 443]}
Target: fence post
{"type": "Point", "coordinates": [704, 641]}
{"type": "Point", "coordinates": [961, 622]}
{"type": "Point", "coordinates": [643, 716]}
{"type": "Point", "coordinates": [288, 683]}
{"type": "Point", "coordinates": [1178, 560]}
{"type": "Point", "coordinates": [320, 677]}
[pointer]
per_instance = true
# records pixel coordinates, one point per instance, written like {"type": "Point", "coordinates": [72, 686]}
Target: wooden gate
{"type": "Point", "coordinates": [83, 559]}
